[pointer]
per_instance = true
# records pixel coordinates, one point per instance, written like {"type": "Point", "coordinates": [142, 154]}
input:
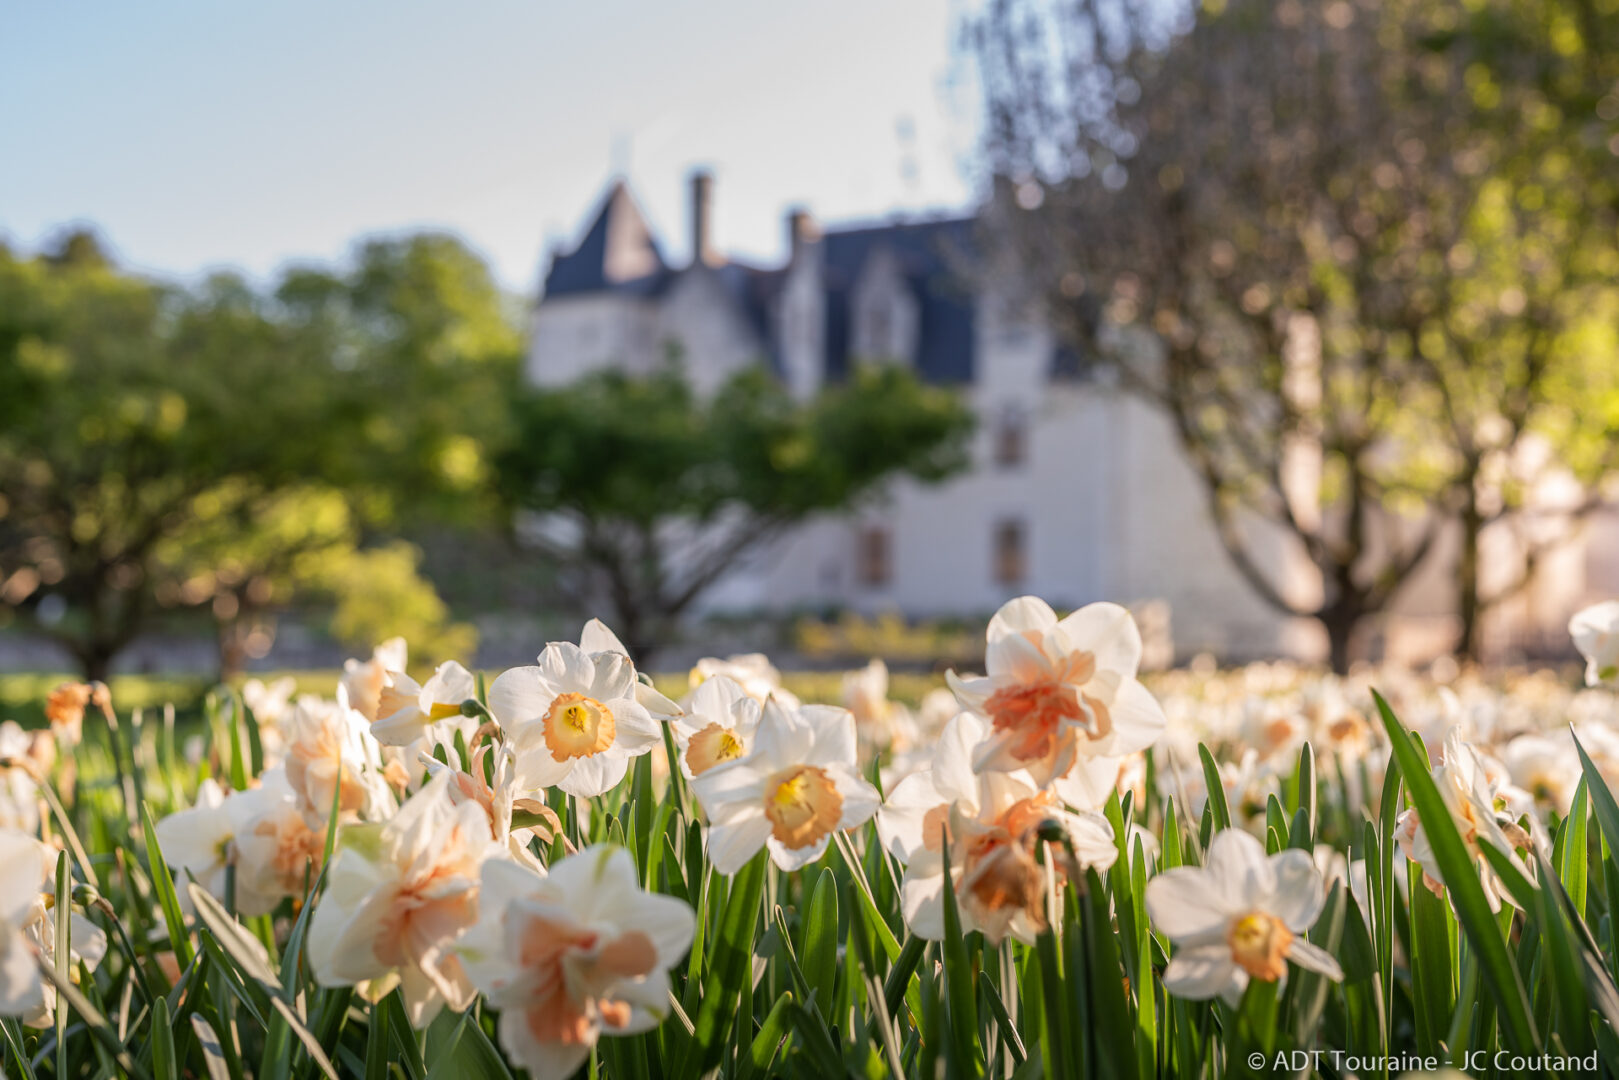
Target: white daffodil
{"type": "Point", "coordinates": [718, 726]}
{"type": "Point", "coordinates": [1547, 769]}
{"type": "Point", "coordinates": [574, 719]}
{"type": "Point", "coordinates": [797, 785]}
{"type": "Point", "coordinates": [19, 779]}
{"type": "Point", "coordinates": [1238, 917]}
{"type": "Point", "coordinates": [1058, 692]}
{"type": "Point", "coordinates": [497, 799]}
{"type": "Point", "coordinates": [424, 715]}
{"type": "Point", "coordinates": [597, 638]}
{"type": "Point", "coordinates": [1596, 634]}
{"type": "Point", "coordinates": [752, 671]}
{"type": "Point", "coordinates": [881, 723]}
{"type": "Point", "coordinates": [1470, 797]}
{"type": "Point", "coordinates": [572, 955]}
{"type": "Point", "coordinates": [992, 822]}
{"type": "Point", "coordinates": [28, 929]}
{"type": "Point", "coordinates": [278, 853]}
{"type": "Point", "coordinates": [364, 681]}
{"type": "Point", "coordinates": [206, 839]}
{"type": "Point", "coordinates": [331, 755]}
{"type": "Point", "coordinates": [197, 840]}
{"type": "Point", "coordinates": [27, 863]}
{"type": "Point", "coordinates": [914, 815]}
{"type": "Point", "coordinates": [397, 896]}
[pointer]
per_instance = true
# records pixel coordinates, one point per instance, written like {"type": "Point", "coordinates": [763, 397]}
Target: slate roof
{"type": "Point", "coordinates": [931, 255]}
{"type": "Point", "coordinates": [590, 267]}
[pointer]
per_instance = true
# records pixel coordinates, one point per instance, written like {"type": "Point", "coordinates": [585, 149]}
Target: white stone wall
{"type": "Point", "coordinates": [575, 335]}
{"type": "Point", "coordinates": [715, 340]}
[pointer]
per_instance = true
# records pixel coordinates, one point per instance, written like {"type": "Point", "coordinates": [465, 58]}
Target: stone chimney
{"type": "Point", "coordinates": [801, 230]}
{"type": "Point", "coordinates": [702, 195]}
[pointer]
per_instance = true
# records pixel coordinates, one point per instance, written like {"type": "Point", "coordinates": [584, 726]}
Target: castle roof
{"type": "Point", "coordinates": [619, 254]}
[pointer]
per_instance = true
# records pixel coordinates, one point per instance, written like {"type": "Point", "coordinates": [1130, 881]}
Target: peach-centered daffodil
{"type": "Point", "coordinates": [1470, 796]}
{"type": "Point", "coordinates": [991, 822]}
{"type": "Point", "coordinates": [572, 955]}
{"type": "Point", "coordinates": [398, 895]}
{"type": "Point", "coordinates": [1060, 692]}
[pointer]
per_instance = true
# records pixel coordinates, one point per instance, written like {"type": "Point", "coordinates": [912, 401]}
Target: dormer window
{"type": "Point", "coordinates": [880, 332]}
{"type": "Point", "coordinates": [1011, 439]}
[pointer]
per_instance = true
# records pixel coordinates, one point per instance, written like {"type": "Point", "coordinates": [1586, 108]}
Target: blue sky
{"type": "Point", "coordinates": [199, 135]}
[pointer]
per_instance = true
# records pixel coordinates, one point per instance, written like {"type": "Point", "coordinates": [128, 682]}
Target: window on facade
{"type": "Point", "coordinates": [874, 556]}
{"type": "Point", "coordinates": [882, 334]}
{"type": "Point", "coordinates": [1011, 552]}
{"type": "Point", "coordinates": [1011, 439]}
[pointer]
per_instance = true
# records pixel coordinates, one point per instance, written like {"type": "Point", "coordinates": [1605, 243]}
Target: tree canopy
{"type": "Point", "coordinates": [644, 493]}
{"type": "Point", "coordinates": [225, 450]}
{"type": "Point", "coordinates": [1372, 244]}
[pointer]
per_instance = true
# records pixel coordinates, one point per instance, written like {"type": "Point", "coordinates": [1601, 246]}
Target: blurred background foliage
{"type": "Point", "coordinates": [224, 455]}
{"type": "Point", "coordinates": [1384, 230]}
{"type": "Point", "coordinates": [228, 453]}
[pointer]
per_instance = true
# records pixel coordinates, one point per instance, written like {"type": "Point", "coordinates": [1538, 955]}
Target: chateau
{"type": "Point", "coordinates": [1077, 491]}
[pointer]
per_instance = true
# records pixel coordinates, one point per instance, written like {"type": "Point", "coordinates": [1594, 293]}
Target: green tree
{"type": "Point", "coordinates": [221, 450]}
{"type": "Point", "coordinates": [1365, 245]}
{"type": "Point", "coordinates": [646, 494]}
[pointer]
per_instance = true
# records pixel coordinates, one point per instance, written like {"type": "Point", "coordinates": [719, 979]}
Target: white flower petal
{"type": "Point", "coordinates": [1019, 615]}
{"type": "Point", "coordinates": [1107, 632]}
{"type": "Point", "coordinates": [1300, 894]}
{"type": "Point", "coordinates": [1183, 907]}
{"type": "Point", "coordinates": [1314, 958]}
{"type": "Point", "coordinates": [1200, 972]}
{"type": "Point", "coordinates": [731, 845]}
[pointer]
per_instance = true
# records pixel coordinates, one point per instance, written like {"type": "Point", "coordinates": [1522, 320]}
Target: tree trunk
{"type": "Point", "coordinates": [96, 663]}
{"type": "Point", "coordinates": [1341, 619]}
{"type": "Point", "coordinates": [1468, 605]}
{"type": "Point", "coordinates": [232, 649]}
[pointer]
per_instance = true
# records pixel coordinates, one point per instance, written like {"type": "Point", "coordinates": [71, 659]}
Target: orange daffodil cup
{"type": "Point", "coordinates": [991, 822]}
{"type": "Point", "coordinates": [398, 895]}
{"type": "Point", "coordinates": [1061, 697]}
{"type": "Point", "coordinates": [572, 954]}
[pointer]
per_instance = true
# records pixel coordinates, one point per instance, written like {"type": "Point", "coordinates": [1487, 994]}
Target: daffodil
{"type": "Point", "coordinates": [1240, 916]}
{"type": "Point", "coordinates": [398, 895]}
{"type": "Point", "coordinates": [423, 715]}
{"type": "Point", "coordinates": [497, 798]}
{"type": "Point", "coordinates": [753, 672]}
{"type": "Point", "coordinates": [364, 680]}
{"type": "Point", "coordinates": [332, 756]}
{"type": "Point", "coordinates": [1470, 797]}
{"type": "Point", "coordinates": [1060, 692]}
{"type": "Point", "coordinates": [573, 719]}
{"type": "Point", "coordinates": [28, 930]}
{"type": "Point", "coordinates": [22, 992]}
{"type": "Point", "coordinates": [1596, 634]}
{"type": "Point", "coordinates": [19, 779]}
{"type": "Point", "coordinates": [795, 787]}
{"type": "Point", "coordinates": [247, 830]}
{"type": "Point", "coordinates": [991, 823]}
{"type": "Point", "coordinates": [573, 955]}
{"type": "Point", "coordinates": [718, 726]}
